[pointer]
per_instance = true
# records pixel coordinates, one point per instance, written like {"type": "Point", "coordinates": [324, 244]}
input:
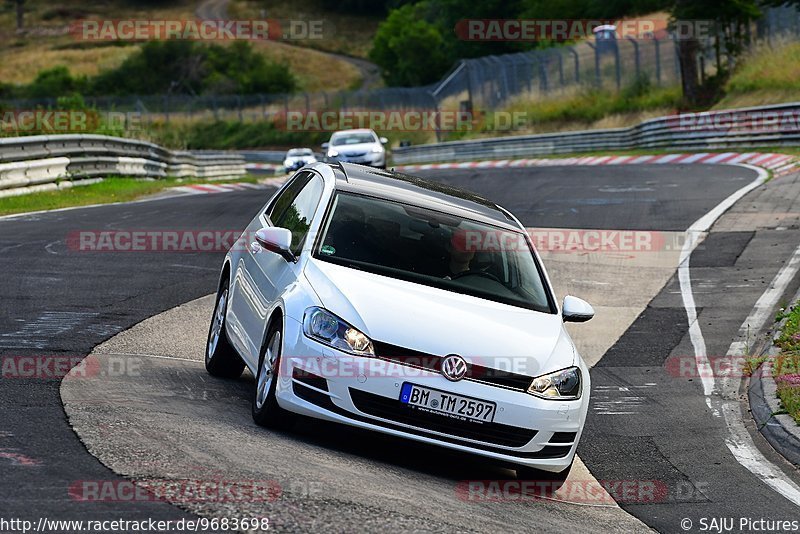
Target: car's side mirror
{"type": "Point", "coordinates": [277, 240]}
{"type": "Point", "coordinates": [325, 145]}
{"type": "Point", "coordinates": [384, 140]}
{"type": "Point", "coordinates": [575, 310]}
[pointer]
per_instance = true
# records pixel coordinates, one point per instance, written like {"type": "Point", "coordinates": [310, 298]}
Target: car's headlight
{"type": "Point", "coordinates": [333, 153]}
{"type": "Point", "coordinates": [377, 149]}
{"type": "Point", "coordinates": [561, 385]}
{"type": "Point", "coordinates": [325, 327]}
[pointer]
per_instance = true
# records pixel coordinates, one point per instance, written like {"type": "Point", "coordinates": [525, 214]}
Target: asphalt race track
{"type": "Point", "coordinates": [646, 423]}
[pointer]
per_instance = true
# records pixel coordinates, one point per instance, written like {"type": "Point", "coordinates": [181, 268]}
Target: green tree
{"type": "Point", "coordinates": [410, 50]}
{"type": "Point", "coordinates": [730, 18]}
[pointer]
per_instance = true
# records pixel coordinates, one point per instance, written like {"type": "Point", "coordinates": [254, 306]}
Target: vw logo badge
{"type": "Point", "coordinates": [454, 367]}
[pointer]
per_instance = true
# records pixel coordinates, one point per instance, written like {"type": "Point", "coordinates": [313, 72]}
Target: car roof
{"type": "Point", "coordinates": [420, 192]}
{"type": "Point", "coordinates": [354, 130]}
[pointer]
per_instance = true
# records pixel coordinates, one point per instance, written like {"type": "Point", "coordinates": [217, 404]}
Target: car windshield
{"type": "Point", "coordinates": [353, 138]}
{"type": "Point", "coordinates": [433, 248]}
{"type": "Point", "coordinates": [299, 152]}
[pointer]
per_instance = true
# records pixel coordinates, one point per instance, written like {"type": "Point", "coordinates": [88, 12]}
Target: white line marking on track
{"type": "Point", "coordinates": [739, 440]}
{"type": "Point", "coordinates": [159, 356]}
{"type": "Point", "coordinates": [724, 401]}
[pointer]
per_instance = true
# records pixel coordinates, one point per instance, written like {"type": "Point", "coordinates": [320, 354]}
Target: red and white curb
{"type": "Point", "coordinates": [778, 163]}
{"type": "Point", "coordinates": [203, 189]}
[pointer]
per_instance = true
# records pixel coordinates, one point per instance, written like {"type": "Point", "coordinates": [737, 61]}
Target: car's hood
{"type": "Point", "coordinates": [357, 148]}
{"type": "Point", "coordinates": [440, 322]}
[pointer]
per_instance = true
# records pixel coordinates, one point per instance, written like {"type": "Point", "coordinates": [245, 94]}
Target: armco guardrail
{"type": "Point", "coordinates": [49, 162]}
{"type": "Point", "coordinates": [777, 125]}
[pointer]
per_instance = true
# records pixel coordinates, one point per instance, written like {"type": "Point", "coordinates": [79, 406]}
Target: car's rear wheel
{"type": "Point", "coordinates": [221, 358]}
{"type": "Point", "coordinates": [266, 411]}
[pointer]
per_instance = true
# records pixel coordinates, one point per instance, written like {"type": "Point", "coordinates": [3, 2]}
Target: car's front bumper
{"type": "Point", "coordinates": [296, 165]}
{"type": "Point", "coordinates": [322, 382]}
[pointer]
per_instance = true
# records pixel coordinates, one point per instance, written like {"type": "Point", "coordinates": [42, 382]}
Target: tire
{"type": "Point", "coordinates": [222, 360]}
{"type": "Point", "coordinates": [266, 410]}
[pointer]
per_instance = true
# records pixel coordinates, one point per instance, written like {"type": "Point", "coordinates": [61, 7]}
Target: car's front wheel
{"type": "Point", "coordinates": [266, 411]}
{"type": "Point", "coordinates": [221, 358]}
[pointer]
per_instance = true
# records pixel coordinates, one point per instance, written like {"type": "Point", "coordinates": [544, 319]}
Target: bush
{"type": "Point", "coordinates": [54, 82]}
{"type": "Point", "coordinates": [409, 50]}
{"type": "Point", "coordinates": [187, 67]}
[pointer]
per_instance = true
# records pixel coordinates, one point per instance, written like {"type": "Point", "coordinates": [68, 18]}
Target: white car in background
{"type": "Point", "coordinates": [353, 297]}
{"type": "Point", "coordinates": [297, 158]}
{"type": "Point", "coordinates": [362, 146]}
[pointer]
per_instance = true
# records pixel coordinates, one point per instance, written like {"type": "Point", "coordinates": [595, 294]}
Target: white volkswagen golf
{"type": "Point", "coordinates": [403, 306]}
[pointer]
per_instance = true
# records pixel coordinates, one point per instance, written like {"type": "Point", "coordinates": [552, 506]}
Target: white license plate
{"type": "Point", "coordinates": [449, 404]}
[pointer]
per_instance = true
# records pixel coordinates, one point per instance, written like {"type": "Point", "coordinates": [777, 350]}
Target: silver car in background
{"type": "Point", "coordinates": [297, 158]}
{"type": "Point", "coordinates": [361, 146]}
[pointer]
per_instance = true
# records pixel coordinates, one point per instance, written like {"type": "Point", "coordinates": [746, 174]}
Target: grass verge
{"type": "Point", "coordinates": [786, 367]}
{"type": "Point", "coordinates": [114, 189]}
{"type": "Point", "coordinates": [579, 108]}
{"type": "Point", "coordinates": [768, 74]}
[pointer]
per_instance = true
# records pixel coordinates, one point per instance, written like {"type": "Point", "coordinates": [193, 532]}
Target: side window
{"type": "Point", "coordinates": [279, 205]}
{"type": "Point", "coordinates": [298, 215]}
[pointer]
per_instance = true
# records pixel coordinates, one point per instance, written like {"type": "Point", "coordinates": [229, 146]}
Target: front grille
{"type": "Point", "coordinates": [354, 154]}
{"type": "Point", "coordinates": [431, 362]}
{"type": "Point", "coordinates": [394, 410]}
